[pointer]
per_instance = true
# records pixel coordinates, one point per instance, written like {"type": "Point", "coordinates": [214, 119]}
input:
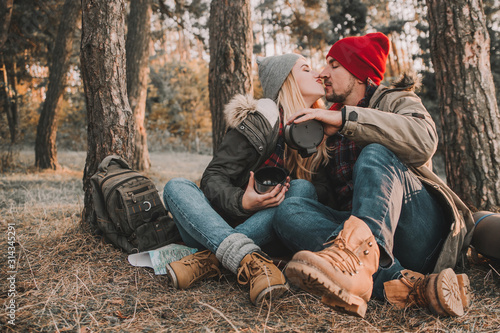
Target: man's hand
{"type": "Point", "coordinates": [253, 201]}
{"type": "Point", "coordinates": [331, 119]}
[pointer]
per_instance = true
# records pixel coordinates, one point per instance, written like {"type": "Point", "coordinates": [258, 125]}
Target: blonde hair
{"type": "Point", "coordinates": [291, 100]}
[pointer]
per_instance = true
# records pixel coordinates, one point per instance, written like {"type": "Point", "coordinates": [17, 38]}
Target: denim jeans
{"type": "Point", "coordinates": [405, 219]}
{"type": "Point", "coordinates": [202, 227]}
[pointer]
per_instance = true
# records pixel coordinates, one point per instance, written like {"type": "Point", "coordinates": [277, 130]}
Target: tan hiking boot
{"type": "Point", "coordinates": [342, 273]}
{"type": "Point", "coordinates": [192, 268]}
{"type": "Point", "coordinates": [445, 294]}
{"type": "Point", "coordinates": [264, 278]}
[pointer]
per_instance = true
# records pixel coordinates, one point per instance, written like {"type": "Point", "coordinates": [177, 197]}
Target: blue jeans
{"type": "Point", "coordinates": [405, 219]}
{"type": "Point", "coordinates": [202, 227]}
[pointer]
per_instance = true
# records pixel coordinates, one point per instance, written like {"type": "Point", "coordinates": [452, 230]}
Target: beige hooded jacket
{"type": "Point", "coordinates": [397, 119]}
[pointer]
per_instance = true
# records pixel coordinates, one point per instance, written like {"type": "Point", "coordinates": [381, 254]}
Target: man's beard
{"type": "Point", "coordinates": [340, 98]}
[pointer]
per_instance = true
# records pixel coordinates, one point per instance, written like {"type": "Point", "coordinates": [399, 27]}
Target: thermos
{"type": "Point", "coordinates": [304, 137]}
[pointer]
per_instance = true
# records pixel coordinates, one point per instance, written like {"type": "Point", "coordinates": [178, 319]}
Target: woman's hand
{"type": "Point", "coordinates": [253, 201]}
{"type": "Point", "coordinates": [331, 119]}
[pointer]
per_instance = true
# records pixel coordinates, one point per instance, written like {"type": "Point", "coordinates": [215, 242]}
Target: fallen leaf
{"type": "Point", "coordinates": [121, 315]}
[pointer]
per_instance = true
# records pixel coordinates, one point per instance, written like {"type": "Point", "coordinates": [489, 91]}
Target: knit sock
{"type": "Point", "coordinates": [233, 249]}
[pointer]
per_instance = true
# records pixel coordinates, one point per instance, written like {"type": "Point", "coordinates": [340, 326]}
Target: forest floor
{"type": "Point", "coordinates": [69, 281]}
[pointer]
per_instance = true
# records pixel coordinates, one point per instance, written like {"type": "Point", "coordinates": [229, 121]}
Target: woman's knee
{"type": "Point", "coordinates": [175, 184]}
{"type": "Point", "coordinates": [176, 187]}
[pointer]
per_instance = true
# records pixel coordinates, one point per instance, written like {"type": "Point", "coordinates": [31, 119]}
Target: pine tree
{"type": "Point", "coordinates": [469, 110]}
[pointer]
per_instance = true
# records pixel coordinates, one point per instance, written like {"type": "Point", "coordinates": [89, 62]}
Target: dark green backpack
{"type": "Point", "coordinates": [128, 209]}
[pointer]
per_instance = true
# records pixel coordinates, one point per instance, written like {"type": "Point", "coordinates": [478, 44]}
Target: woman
{"type": "Point", "coordinates": [227, 217]}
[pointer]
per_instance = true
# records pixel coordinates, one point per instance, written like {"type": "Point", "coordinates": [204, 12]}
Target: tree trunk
{"type": "Point", "coordinates": [137, 46]}
{"type": "Point", "coordinates": [230, 58]}
{"type": "Point", "coordinates": [9, 96]}
{"type": "Point", "coordinates": [5, 16]}
{"type": "Point", "coordinates": [110, 120]}
{"type": "Point", "coordinates": [460, 48]}
{"type": "Point", "coordinates": [45, 144]}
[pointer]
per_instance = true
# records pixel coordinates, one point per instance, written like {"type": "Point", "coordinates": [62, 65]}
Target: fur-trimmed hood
{"type": "Point", "coordinates": [240, 106]}
{"type": "Point", "coordinates": [406, 81]}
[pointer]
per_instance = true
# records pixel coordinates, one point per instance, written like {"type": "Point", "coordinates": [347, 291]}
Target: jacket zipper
{"type": "Point", "coordinates": [253, 132]}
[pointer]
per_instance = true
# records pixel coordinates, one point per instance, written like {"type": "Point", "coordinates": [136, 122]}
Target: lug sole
{"type": "Point", "coordinates": [316, 282]}
{"type": "Point", "coordinates": [444, 294]}
{"type": "Point", "coordinates": [172, 277]}
{"type": "Point", "coordinates": [357, 306]}
{"type": "Point", "coordinates": [465, 291]}
{"type": "Point", "coordinates": [271, 293]}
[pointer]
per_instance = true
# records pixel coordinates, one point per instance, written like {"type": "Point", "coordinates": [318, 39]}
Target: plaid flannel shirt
{"type": "Point", "coordinates": [343, 155]}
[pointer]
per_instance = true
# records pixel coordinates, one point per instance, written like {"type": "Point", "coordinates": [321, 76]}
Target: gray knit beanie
{"type": "Point", "coordinates": [273, 71]}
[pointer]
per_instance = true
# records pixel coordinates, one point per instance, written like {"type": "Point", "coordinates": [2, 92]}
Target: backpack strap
{"type": "Point", "coordinates": [103, 166]}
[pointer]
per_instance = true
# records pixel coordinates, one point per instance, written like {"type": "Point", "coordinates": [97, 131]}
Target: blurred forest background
{"type": "Point", "coordinates": [177, 113]}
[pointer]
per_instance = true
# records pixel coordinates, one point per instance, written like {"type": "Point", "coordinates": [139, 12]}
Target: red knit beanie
{"type": "Point", "coordinates": [363, 56]}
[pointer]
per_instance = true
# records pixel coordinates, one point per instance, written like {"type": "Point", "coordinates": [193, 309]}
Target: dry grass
{"type": "Point", "coordinates": [69, 281]}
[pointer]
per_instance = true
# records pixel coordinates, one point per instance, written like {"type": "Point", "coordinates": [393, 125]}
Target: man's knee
{"type": "Point", "coordinates": [376, 151]}
{"type": "Point", "coordinates": [302, 188]}
{"type": "Point", "coordinates": [286, 210]}
{"type": "Point", "coordinates": [301, 183]}
{"type": "Point", "coordinates": [375, 155]}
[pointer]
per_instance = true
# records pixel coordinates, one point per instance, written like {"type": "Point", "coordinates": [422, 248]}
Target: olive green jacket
{"type": "Point", "coordinates": [253, 129]}
{"type": "Point", "coordinates": [397, 119]}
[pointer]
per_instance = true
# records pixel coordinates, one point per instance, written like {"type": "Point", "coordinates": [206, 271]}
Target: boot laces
{"type": "Point", "coordinates": [341, 256]}
{"type": "Point", "coordinates": [417, 291]}
{"type": "Point", "coordinates": [254, 268]}
{"type": "Point", "coordinates": [200, 265]}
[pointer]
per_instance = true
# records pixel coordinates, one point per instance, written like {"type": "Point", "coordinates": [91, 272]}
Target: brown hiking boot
{"type": "Point", "coordinates": [192, 268]}
{"type": "Point", "coordinates": [264, 278]}
{"type": "Point", "coordinates": [342, 273]}
{"type": "Point", "coordinates": [445, 294]}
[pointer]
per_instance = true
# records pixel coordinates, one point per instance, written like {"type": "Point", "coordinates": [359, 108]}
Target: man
{"type": "Point", "coordinates": [395, 220]}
